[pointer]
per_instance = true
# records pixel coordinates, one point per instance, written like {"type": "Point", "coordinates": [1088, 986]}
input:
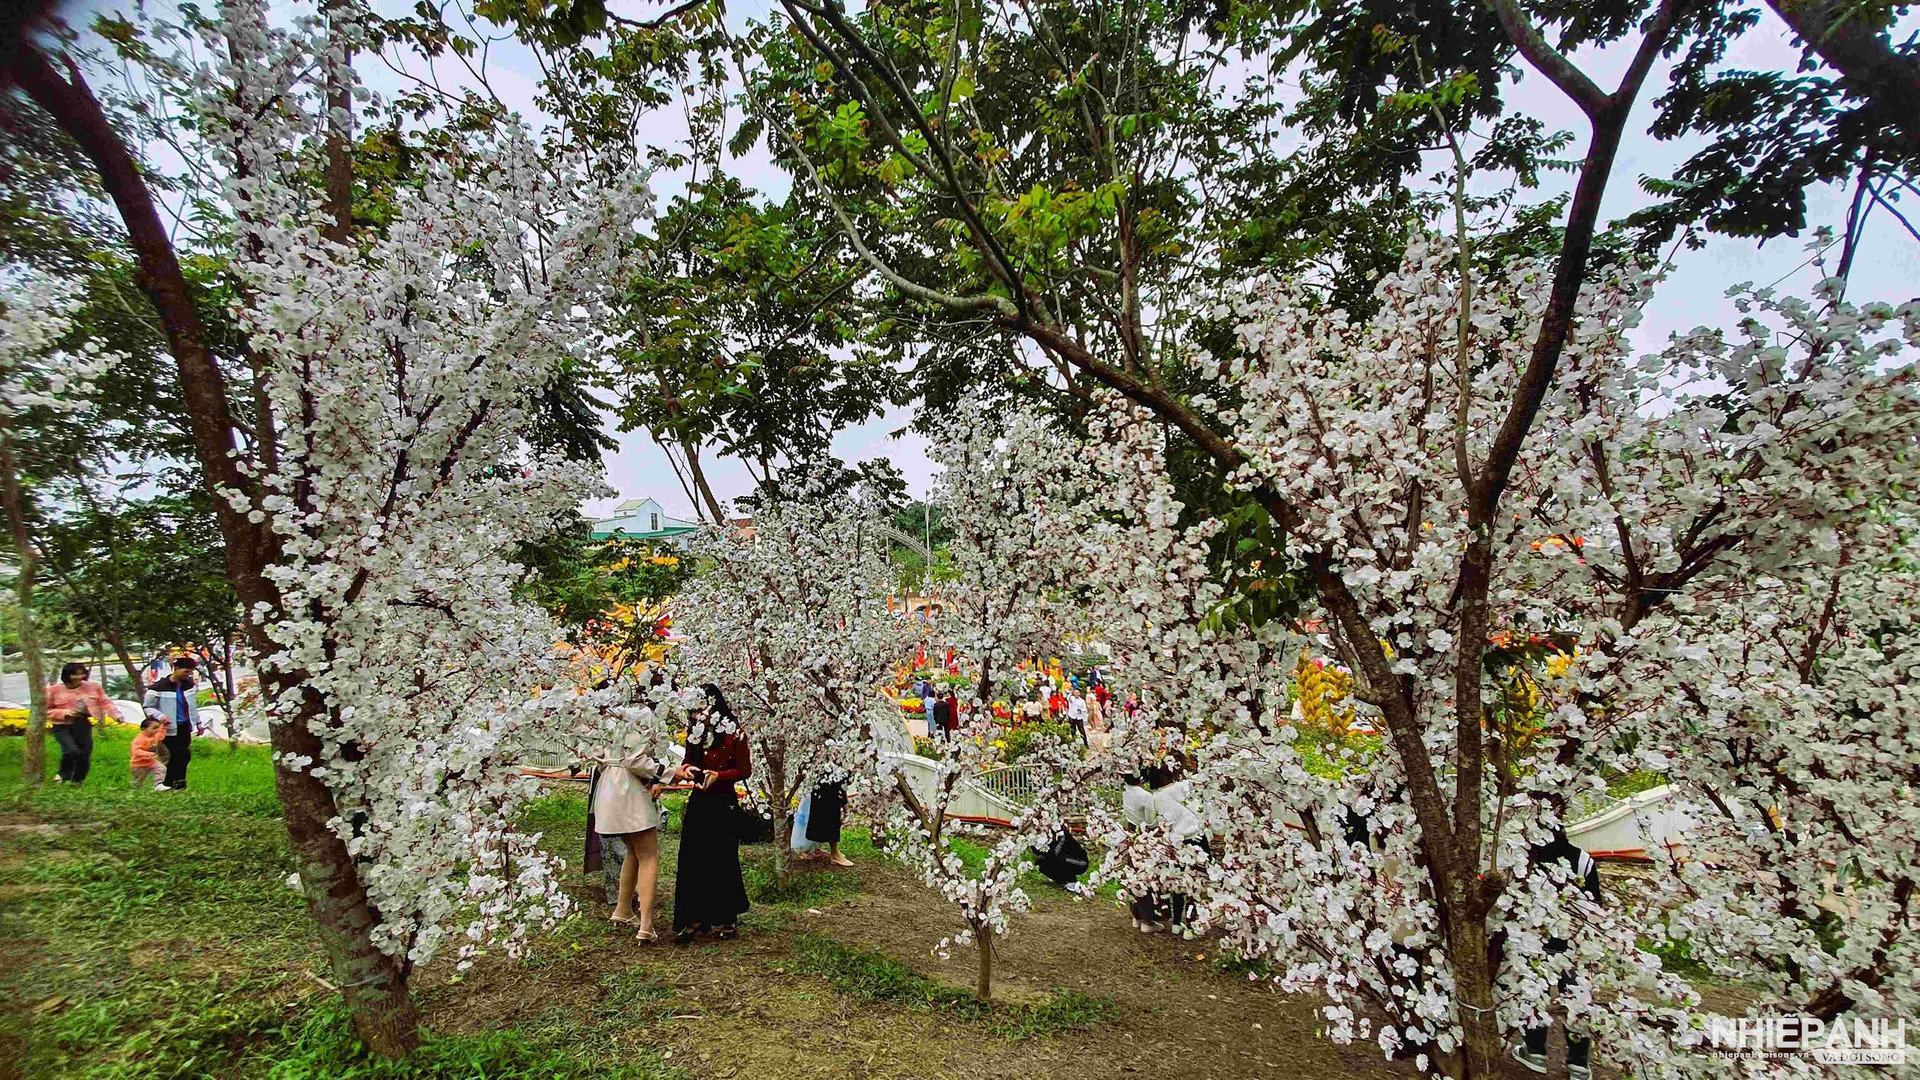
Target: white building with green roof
{"type": "Point", "coordinates": [643, 519]}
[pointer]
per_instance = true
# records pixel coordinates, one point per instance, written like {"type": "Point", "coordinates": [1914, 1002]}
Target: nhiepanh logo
{"type": "Point", "coordinates": [1861, 1042]}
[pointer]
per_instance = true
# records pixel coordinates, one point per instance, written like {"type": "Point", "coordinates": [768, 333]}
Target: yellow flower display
{"type": "Point", "coordinates": [14, 721]}
{"type": "Point", "coordinates": [1324, 691]}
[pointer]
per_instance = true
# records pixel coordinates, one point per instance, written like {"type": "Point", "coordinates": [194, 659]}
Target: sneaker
{"type": "Point", "coordinates": [1579, 1072]}
{"type": "Point", "coordinates": [1533, 1062]}
{"type": "Point", "coordinates": [161, 787]}
{"type": "Point", "coordinates": [59, 779]}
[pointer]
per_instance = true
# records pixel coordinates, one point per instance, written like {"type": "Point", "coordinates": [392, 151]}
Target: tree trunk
{"type": "Point", "coordinates": [782, 838]}
{"type": "Point", "coordinates": [224, 685]}
{"type": "Point", "coordinates": [1481, 1044]}
{"type": "Point", "coordinates": [117, 638]}
{"type": "Point", "coordinates": [692, 450]}
{"type": "Point", "coordinates": [374, 984]}
{"type": "Point", "coordinates": [33, 761]}
{"type": "Point", "coordinates": [983, 946]}
{"type": "Point", "coordinates": [33, 756]}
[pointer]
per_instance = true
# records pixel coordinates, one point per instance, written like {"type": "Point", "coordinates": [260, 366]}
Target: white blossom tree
{"type": "Point", "coordinates": [792, 623]}
{"type": "Point", "coordinates": [1010, 563]}
{"type": "Point", "coordinates": [1006, 558]}
{"type": "Point", "coordinates": [1403, 466]}
{"type": "Point", "coordinates": [44, 382]}
{"type": "Point", "coordinates": [1722, 537]}
{"type": "Point", "coordinates": [1765, 585]}
{"type": "Point", "coordinates": [371, 473]}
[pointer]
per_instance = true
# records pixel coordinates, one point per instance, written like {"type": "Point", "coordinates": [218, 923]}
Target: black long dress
{"type": "Point", "coordinates": [707, 889]}
{"type": "Point", "coordinates": [824, 810]}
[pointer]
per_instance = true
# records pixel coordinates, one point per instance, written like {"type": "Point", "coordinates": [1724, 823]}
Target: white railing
{"type": "Point", "coordinates": [1018, 784]}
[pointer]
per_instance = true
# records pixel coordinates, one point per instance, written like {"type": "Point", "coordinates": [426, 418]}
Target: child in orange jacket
{"type": "Point", "coordinates": [146, 757]}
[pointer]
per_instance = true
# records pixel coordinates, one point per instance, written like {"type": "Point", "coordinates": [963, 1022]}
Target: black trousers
{"type": "Point", "coordinates": [76, 749]}
{"type": "Point", "coordinates": [1579, 1050]}
{"type": "Point", "coordinates": [179, 752]}
{"type": "Point", "coordinates": [708, 890]}
{"type": "Point", "coordinates": [1166, 907]}
{"type": "Point", "coordinates": [827, 806]}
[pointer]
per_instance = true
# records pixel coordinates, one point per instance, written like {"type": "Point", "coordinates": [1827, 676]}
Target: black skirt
{"type": "Point", "coordinates": [827, 805]}
{"type": "Point", "coordinates": [707, 890]}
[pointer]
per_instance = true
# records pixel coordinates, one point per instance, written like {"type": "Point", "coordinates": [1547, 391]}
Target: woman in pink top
{"type": "Point", "coordinates": [73, 704]}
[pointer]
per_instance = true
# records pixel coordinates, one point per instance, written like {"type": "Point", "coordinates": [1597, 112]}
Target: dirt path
{"type": "Point", "coordinates": [749, 1008]}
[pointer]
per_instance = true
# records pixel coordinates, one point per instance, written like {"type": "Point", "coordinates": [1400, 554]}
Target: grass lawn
{"type": "Point", "coordinates": [153, 935]}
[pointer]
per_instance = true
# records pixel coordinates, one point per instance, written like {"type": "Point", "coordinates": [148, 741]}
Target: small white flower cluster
{"type": "Point", "coordinates": [41, 371]}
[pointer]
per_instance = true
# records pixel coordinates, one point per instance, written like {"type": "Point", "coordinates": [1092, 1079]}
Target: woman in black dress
{"type": "Point", "coordinates": [708, 893]}
{"type": "Point", "coordinates": [826, 806]}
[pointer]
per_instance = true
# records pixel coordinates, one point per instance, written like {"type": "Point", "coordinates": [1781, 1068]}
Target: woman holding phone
{"type": "Point", "coordinates": [708, 893]}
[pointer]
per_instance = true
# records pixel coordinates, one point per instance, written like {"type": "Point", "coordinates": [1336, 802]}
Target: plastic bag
{"type": "Point", "coordinates": [799, 843]}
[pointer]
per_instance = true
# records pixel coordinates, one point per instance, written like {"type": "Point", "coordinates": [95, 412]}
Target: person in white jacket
{"type": "Point", "coordinates": [170, 701]}
{"type": "Point", "coordinates": [1152, 799]}
{"type": "Point", "coordinates": [1077, 714]}
{"type": "Point", "coordinates": [624, 810]}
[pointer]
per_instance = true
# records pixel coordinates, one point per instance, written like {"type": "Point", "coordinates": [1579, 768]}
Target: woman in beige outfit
{"type": "Point", "coordinates": [623, 806]}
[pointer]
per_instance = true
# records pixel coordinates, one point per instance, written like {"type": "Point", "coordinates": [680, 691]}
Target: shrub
{"type": "Point", "coordinates": [14, 722]}
{"type": "Point", "coordinates": [1019, 741]}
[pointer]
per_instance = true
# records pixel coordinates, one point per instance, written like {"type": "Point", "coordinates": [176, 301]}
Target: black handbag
{"type": "Point", "coordinates": [1063, 860]}
{"type": "Point", "coordinates": [754, 827]}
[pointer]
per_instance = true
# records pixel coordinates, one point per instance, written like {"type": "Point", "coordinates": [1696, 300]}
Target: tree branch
{"type": "Point", "coordinates": [1547, 60]}
{"type": "Point", "coordinates": [912, 289]}
{"type": "Point", "coordinates": [1840, 33]}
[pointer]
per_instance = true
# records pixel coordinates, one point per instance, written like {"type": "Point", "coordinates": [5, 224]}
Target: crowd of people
{"type": "Point", "coordinates": [1082, 701]}
{"type": "Point", "coordinates": [170, 717]}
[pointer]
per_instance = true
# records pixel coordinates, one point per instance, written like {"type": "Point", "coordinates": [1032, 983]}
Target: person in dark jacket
{"type": "Point", "coordinates": [171, 701]}
{"type": "Point", "coordinates": [708, 890]}
{"type": "Point", "coordinates": [939, 716]}
{"type": "Point", "coordinates": [827, 809]}
{"type": "Point", "coordinates": [1585, 874]}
